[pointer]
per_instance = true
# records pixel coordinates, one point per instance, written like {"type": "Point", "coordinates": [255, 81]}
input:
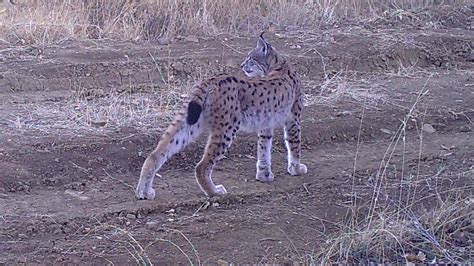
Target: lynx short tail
{"type": "Point", "coordinates": [194, 111]}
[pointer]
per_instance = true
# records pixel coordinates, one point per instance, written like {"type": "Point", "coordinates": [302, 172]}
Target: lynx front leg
{"type": "Point", "coordinates": [264, 154]}
{"type": "Point", "coordinates": [293, 147]}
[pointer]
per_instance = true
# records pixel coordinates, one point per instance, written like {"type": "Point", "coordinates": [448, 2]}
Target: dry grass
{"type": "Point", "coordinates": [436, 236]}
{"type": "Point", "coordinates": [42, 22]}
{"type": "Point", "coordinates": [101, 113]}
{"type": "Point", "coordinates": [109, 241]}
{"type": "Point", "coordinates": [345, 86]}
{"type": "Point", "coordinates": [399, 223]}
{"type": "Point", "coordinates": [149, 108]}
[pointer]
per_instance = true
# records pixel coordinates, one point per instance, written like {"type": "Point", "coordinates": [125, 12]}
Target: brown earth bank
{"type": "Point", "coordinates": [379, 99]}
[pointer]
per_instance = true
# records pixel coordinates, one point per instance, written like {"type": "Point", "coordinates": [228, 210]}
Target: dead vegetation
{"type": "Point", "coordinates": [404, 236]}
{"type": "Point", "coordinates": [43, 22]}
{"type": "Point", "coordinates": [111, 241]}
{"type": "Point", "coordinates": [399, 223]}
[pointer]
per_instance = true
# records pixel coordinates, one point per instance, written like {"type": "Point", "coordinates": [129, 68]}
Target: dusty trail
{"type": "Point", "coordinates": [66, 195]}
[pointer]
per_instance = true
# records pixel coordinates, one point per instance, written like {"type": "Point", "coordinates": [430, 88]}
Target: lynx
{"type": "Point", "coordinates": [270, 95]}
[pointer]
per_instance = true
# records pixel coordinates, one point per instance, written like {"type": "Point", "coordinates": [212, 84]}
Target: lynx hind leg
{"type": "Point", "coordinates": [217, 145]}
{"type": "Point", "coordinates": [152, 163]}
{"type": "Point", "coordinates": [264, 156]}
{"type": "Point", "coordinates": [292, 133]}
{"type": "Point", "coordinates": [175, 138]}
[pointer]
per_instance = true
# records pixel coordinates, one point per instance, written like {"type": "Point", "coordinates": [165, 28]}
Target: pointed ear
{"type": "Point", "coordinates": [263, 45]}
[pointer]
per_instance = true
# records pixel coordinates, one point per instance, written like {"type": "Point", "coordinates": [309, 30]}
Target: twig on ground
{"type": "Point", "coordinates": [291, 242]}
{"type": "Point", "coordinates": [118, 180]}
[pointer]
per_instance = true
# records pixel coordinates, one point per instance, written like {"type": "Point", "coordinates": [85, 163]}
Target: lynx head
{"type": "Point", "coordinates": [261, 60]}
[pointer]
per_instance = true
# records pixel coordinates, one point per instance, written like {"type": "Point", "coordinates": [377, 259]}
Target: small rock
{"type": "Point", "coordinates": [439, 126]}
{"type": "Point", "coordinates": [164, 40]}
{"type": "Point", "coordinates": [343, 113]}
{"type": "Point", "coordinates": [22, 236]}
{"type": "Point", "coordinates": [191, 38]}
{"type": "Point", "coordinates": [465, 128]}
{"type": "Point", "coordinates": [151, 224]}
{"type": "Point", "coordinates": [428, 128]}
{"type": "Point", "coordinates": [221, 262]}
{"type": "Point", "coordinates": [76, 194]}
{"type": "Point", "coordinates": [131, 216]}
{"type": "Point", "coordinates": [327, 38]}
{"type": "Point", "coordinates": [178, 66]}
{"type": "Point", "coordinates": [200, 219]}
{"type": "Point", "coordinates": [98, 124]}
{"type": "Point", "coordinates": [280, 36]}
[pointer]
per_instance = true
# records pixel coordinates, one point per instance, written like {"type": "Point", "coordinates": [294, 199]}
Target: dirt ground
{"type": "Point", "coordinates": [66, 182]}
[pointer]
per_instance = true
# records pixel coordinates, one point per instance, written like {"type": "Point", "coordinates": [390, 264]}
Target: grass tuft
{"type": "Point", "coordinates": [400, 223]}
{"type": "Point", "coordinates": [43, 22]}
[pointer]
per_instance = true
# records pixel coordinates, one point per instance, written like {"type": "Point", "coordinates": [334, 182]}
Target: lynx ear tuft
{"type": "Point", "coordinates": [263, 45]}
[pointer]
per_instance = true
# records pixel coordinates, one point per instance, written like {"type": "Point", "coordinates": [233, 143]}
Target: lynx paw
{"type": "Point", "coordinates": [297, 169]}
{"type": "Point", "coordinates": [145, 193]}
{"type": "Point", "coordinates": [265, 176]}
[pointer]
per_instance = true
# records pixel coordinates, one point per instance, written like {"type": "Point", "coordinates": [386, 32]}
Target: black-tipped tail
{"type": "Point", "coordinates": [194, 111]}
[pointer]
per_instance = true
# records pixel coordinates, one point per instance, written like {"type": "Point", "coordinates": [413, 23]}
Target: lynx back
{"type": "Point", "coordinates": [270, 96]}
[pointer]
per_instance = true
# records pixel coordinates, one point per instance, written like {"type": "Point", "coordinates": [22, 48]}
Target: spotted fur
{"type": "Point", "coordinates": [270, 96]}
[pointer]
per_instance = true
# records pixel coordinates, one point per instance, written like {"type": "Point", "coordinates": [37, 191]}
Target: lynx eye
{"type": "Point", "coordinates": [245, 62]}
